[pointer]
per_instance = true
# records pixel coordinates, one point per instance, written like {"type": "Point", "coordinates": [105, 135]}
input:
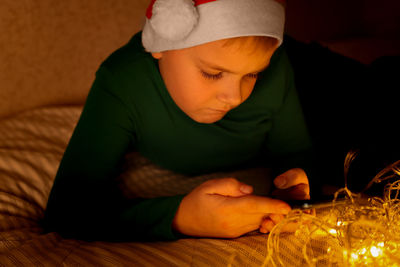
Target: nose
{"type": "Point", "coordinates": [231, 94]}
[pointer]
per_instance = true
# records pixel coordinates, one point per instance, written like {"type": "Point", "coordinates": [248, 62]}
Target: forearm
{"type": "Point", "coordinates": [99, 212]}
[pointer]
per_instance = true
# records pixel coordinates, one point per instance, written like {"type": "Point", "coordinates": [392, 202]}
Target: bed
{"type": "Point", "coordinates": [50, 51]}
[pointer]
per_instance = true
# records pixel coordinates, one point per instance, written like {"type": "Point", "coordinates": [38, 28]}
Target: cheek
{"type": "Point", "coordinates": [201, 90]}
{"type": "Point", "coordinates": [192, 92]}
{"type": "Point", "coordinates": [247, 88]}
{"type": "Point", "coordinates": [178, 83]}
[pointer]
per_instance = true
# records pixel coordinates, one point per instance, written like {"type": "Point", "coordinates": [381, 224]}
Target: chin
{"type": "Point", "coordinates": [207, 119]}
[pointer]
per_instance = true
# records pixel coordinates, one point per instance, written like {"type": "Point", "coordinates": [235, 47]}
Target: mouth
{"type": "Point", "coordinates": [220, 110]}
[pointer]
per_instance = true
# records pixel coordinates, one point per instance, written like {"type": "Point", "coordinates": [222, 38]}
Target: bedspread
{"type": "Point", "coordinates": [31, 146]}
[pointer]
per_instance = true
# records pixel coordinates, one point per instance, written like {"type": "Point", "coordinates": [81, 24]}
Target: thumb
{"type": "Point", "coordinates": [227, 187]}
{"type": "Point", "coordinates": [291, 178]}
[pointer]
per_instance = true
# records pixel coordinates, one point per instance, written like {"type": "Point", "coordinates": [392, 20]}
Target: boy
{"type": "Point", "coordinates": [185, 93]}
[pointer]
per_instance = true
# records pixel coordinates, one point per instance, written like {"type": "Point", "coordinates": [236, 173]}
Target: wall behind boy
{"type": "Point", "coordinates": [361, 29]}
{"type": "Point", "coordinates": [50, 50]}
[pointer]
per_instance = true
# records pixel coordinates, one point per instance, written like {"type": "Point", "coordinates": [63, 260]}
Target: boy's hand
{"type": "Point", "coordinates": [225, 208]}
{"type": "Point", "coordinates": [292, 184]}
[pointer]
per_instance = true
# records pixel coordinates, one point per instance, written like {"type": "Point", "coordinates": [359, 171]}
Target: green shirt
{"type": "Point", "coordinates": [129, 108]}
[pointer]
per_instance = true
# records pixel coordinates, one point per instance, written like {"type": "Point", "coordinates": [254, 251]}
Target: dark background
{"type": "Point", "coordinates": [346, 59]}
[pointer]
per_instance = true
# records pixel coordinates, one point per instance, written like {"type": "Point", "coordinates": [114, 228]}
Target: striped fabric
{"type": "Point", "coordinates": [31, 146]}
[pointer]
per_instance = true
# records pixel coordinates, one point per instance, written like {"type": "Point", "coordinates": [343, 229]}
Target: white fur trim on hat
{"type": "Point", "coordinates": [178, 24]}
{"type": "Point", "coordinates": [173, 19]}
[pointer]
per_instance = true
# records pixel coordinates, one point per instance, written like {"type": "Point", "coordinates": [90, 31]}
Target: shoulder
{"type": "Point", "coordinates": [130, 58]}
{"type": "Point", "coordinates": [128, 70]}
{"type": "Point", "coordinates": [280, 64]}
{"type": "Point", "coordinates": [129, 76]}
{"type": "Point", "coordinates": [277, 77]}
{"type": "Point", "coordinates": [273, 85]}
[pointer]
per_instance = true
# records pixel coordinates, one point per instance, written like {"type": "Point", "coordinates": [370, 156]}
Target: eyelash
{"type": "Point", "coordinates": [219, 75]}
{"type": "Point", "coordinates": [211, 76]}
{"type": "Point", "coordinates": [253, 75]}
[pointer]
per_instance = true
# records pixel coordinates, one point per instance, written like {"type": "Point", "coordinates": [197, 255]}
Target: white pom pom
{"type": "Point", "coordinates": [174, 19]}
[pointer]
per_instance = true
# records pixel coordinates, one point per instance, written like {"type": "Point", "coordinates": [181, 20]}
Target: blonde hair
{"type": "Point", "coordinates": [252, 43]}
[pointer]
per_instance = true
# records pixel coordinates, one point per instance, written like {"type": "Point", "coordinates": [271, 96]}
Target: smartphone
{"type": "Point", "coordinates": [307, 204]}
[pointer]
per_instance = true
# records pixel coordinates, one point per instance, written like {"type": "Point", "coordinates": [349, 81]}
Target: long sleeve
{"type": "Point", "coordinates": [129, 107]}
{"type": "Point", "coordinates": [85, 201]}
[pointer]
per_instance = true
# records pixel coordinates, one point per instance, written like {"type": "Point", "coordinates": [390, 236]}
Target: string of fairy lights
{"type": "Point", "coordinates": [357, 232]}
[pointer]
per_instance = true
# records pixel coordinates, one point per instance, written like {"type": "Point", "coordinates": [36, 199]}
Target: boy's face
{"type": "Point", "coordinates": [208, 80]}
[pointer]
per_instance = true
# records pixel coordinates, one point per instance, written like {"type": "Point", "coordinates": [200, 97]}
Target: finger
{"type": "Point", "coordinates": [263, 205]}
{"type": "Point", "coordinates": [271, 219]}
{"type": "Point", "coordinates": [276, 218]}
{"type": "Point", "coordinates": [300, 191]}
{"type": "Point", "coordinates": [290, 227]}
{"type": "Point", "coordinates": [311, 212]}
{"type": "Point", "coordinates": [266, 226]}
{"type": "Point", "coordinates": [226, 187]}
{"type": "Point", "coordinates": [291, 178]}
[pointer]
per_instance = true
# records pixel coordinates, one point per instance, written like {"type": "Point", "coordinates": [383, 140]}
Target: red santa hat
{"type": "Point", "coordinates": [177, 24]}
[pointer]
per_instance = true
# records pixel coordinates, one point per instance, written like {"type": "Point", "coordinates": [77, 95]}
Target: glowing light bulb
{"type": "Point", "coordinates": [375, 252]}
{"type": "Point", "coordinates": [333, 231]}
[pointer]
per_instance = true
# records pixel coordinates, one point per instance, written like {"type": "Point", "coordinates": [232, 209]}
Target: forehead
{"type": "Point", "coordinates": [252, 43]}
{"type": "Point", "coordinates": [245, 48]}
{"type": "Point", "coordinates": [240, 56]}
{"type": "Point", "coordinates": [237, 55]}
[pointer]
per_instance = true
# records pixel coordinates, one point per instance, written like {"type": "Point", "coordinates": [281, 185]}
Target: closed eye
{"type": "Point", "coordinates": [219, 75]}
{"type": "Point", "coordinates": [253, 75]}
{"type": "Point", "coordinates": [211, 76]}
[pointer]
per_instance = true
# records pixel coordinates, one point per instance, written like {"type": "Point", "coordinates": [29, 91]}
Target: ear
{"type": "Point", "coordinates": [157, 55]}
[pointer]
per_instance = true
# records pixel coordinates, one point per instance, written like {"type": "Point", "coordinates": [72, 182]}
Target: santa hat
{"type": "Point", "coordinates": [177, 24]}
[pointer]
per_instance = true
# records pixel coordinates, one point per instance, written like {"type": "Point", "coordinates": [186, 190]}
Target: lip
{"type": "Point", "coordinates": [220, 110]}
